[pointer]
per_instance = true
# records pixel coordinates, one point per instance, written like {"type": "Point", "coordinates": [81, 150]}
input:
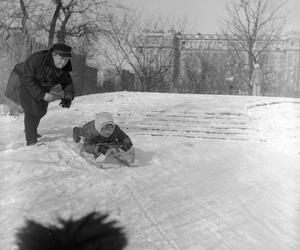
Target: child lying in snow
{"type": "Point", "coordinates": [101, 130]}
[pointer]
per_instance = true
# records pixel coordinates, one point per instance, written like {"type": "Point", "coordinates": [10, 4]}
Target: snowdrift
{"type": "Point", "coordinates": [211, 172]}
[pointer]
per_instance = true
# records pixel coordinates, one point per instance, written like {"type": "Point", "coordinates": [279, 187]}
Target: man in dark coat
{"type": "Point", "coordinates": [40, 73]}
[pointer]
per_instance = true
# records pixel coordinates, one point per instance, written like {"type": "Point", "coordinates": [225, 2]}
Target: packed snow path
{"type": "Point", "coordinates": [211, 172]}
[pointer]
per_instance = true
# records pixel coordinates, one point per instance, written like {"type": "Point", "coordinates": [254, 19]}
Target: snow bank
{"type": "Point", "coordinates": [216, 172]}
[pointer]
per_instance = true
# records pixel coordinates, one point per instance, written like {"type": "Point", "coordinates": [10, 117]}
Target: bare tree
{"type": "Point", "coordinates": [250, 29]}
{"type": "Point", "coordinates": [78, 18]}
{"type": "Point", "coordinates": [17, 29]}
{"type": "Point", "coordinates": [141, 45]}
{"type": "Point", "coordinates": [204, 72]}
{"type": "Point", "coordinates": [58, 5]}
{"type": "Point", "coordinates": [60, 19]}
{"type": "Point", "coordinates": [12, 18]}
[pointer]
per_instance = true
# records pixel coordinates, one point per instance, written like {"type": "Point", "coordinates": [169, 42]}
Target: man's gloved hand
{"type": "Point", "coordinates": [66, 101]}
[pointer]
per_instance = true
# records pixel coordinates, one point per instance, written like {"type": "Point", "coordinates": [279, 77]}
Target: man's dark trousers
{"type": "Point", "coordinates": [31, 123]}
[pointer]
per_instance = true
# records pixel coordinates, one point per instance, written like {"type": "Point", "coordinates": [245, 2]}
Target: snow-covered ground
{"type": "Point", "coordinates": [211, 172]}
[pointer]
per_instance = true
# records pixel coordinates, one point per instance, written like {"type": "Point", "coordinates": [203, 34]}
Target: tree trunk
{"type": "Point", "coordinates": [62, 33]}
{"type": "Point", "coordinates": [61, 36]}
{"type": "Point", "coordinates": [53, 22]}
{"type": "Point", "coordinates": [250, 70]}
{"type": "Point", "coordinates": [24, 17]}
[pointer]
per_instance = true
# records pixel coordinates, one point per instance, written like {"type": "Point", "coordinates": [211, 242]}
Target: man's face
{"type": "Point", "coordinates": [59, 61]}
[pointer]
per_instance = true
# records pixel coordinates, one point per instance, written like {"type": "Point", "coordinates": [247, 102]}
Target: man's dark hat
{"type": "Point", "coordinates": [62, 49]}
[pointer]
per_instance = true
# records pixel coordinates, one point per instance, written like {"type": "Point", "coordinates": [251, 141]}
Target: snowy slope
{"type": "Point", "coordinates": [211, 172]}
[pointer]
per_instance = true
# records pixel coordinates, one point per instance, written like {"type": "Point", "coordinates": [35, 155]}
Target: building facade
{"type": "Point", "coordinates": [282, 55]}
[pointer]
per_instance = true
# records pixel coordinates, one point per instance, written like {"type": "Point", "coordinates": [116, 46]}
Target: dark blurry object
{"type": "Point", "coordinates": [92, 232]}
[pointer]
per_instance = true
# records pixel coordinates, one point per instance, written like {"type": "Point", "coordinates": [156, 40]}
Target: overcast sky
{"type": "Point", "coordinates": [203, 15]}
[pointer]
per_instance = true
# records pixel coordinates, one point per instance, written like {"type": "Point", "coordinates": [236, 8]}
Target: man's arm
{"type": "Point", "coordinates": [29, 81]}
{"type": "Point", "coordinates": [69, 93]}
{"type": "Point", "coordinates": [68, 86]}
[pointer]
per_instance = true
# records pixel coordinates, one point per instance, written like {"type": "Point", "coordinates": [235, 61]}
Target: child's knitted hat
{"type": "Point", "coordinates": [102, 119]}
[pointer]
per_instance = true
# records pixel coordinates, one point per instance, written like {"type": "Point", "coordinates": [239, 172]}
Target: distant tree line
{"type": "Point", "coordinates": [112, 36]}
{"type": "Point", "coordinates": [254, 25]}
